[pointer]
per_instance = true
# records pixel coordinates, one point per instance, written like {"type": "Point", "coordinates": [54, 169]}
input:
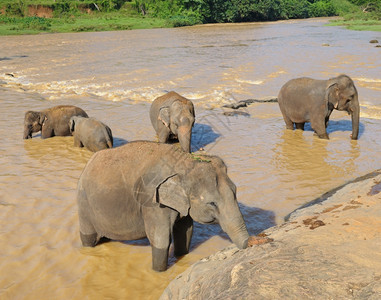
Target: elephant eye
{"type": "Point", "coordinates": [212, 204]}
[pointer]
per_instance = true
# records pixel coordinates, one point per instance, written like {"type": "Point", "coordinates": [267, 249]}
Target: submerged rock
{"type": "Point", "coordinates": [245, 103]}
{"type": "Point", "coordinates": [236, 113]}
{"type": "Point", "coordinates": [327, 250]}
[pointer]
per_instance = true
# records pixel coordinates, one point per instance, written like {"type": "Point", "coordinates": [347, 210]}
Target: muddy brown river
{"type": "Point", "coordinates": [114, 76]}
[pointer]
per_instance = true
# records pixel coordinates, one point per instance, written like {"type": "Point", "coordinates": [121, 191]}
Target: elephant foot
{"type": "Point", "coordinates": [88, 240]}
{"type": "Point", "coordinates": [323, 136]}
{"type": "Point", "coordinates": [181, 252]}
{"type": "Point", "coordinates": [159, 259]}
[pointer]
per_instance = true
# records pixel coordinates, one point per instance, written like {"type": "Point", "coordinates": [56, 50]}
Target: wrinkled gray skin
{"type": "Point", "coordinates": [90, 133]}
{"type": "Point", "coordinates": [51, 122]}
{"type": "Point", "coordinates": [172, 116]}
{"type": "Point", "coordinates": [155, 190]}
{"type": "Point", "coordinates": [309, 100]}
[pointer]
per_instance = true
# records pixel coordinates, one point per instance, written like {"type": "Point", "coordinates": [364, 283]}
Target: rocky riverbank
{"type": "Point", "coordinates": [330, 249]}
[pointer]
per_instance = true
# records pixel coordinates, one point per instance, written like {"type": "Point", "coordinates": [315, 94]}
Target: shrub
{"type": "Point", "coordinates": [295, 9]}
{"type": "Point", "coordinates": [322, 9]}
{"type": "Point", "coordinates": [181, 20]}
{"type": "Point", "coordinates": [35, 23]}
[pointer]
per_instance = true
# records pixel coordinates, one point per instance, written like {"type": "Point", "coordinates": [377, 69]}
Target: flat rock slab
{"type": "Point", "coordinates": [329, 250]}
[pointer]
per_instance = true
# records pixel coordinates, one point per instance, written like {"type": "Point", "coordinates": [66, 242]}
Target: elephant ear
{"type": "Point", "coordinates": [164, 115]}
{"type": "Point", "coordinates": [42, 119]}
{"type": "Point", "coordinates": [151, 189]}
{"type": "Point", "coordinates": [332, 94]}
{"type": "Point", "coordinates": [170, 193]}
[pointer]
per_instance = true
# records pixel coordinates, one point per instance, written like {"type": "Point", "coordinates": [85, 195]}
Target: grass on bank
{"type": "Point", "coordinates": [104, 22]}
{"type": "Point", "coordinates": [95, 21]}
{"type": "Point", "coordinates": [359, 25]}
{"type": "Point", "coordinates": [365, 17]}
{"type": "Point", "coordinates": [72, 19]}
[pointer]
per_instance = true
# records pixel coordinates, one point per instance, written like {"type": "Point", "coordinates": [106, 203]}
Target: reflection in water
{"type": "Point", "coordinates": [310, 163]}
{"type": "Point", "coordinates": [275, 170]}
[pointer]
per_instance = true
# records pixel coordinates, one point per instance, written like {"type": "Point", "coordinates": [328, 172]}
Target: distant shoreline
{"type": "Point", "coordinates": [118, 22]}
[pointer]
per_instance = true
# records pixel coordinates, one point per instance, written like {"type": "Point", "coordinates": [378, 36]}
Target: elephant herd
{"type": "Point", "coordinates": [156, 190]}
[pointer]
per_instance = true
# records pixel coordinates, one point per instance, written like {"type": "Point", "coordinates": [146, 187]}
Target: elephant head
{"type": "Point", "coordinates": [179, 117]}
{"type": "Point", "coordinates": [213, 199]}
{"type": "Point", "coordinates": [342, 94]}
{"type": "Point", "coordinates": [33, 123]}
{"type": "Point", "coordinates": [200, 188]}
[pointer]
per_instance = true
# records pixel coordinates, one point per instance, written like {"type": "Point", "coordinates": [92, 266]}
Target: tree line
{"type": "Point", "coordinates": [189, 12]}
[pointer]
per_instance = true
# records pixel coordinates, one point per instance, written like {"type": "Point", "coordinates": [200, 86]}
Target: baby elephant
{"type": "Point", "coordinates": [51, 122]}
{"type": "Point", "coordinates": [172, 116]}
{"type": "Point", "coordinates": [91, 133]}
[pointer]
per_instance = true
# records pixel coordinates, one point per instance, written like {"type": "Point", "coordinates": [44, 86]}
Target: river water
{"type": "Point", "coordinates": [114, 76]}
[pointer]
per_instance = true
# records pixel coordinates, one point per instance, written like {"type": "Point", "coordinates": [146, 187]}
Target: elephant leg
{"type": "Point", "coordinates": [89, 240]}
{"type": "Point", "coordinates": [96, 148]}
{"type": "Point", "coordinates": [87, 232]}
{"type": "Point", "coordinates": [77, 142]}
{"type": "Point", "coordinates": [326, 122]}
{"type": "Point", "coordinates": [319, 127]}
{"type": "Point", "coordinates": [289, 123]}
{"type": "Point", "coordinates": [159, 258]}
{"type": "Point", "coordinates": [182, 235]}
{"type": "Point", "coordinates": [327, 118]}
{"type": "Point", "coordinates": [287, 120]}
{"type": "Point", "coordinates": [158, 224]}
{"type": "Point", "coordinates": [47, 132]}
{"type": "Point", "coordinates": [299, 126]}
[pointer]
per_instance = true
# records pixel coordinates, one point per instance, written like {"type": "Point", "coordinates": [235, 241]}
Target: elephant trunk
{"type": "Point", "coordinates": [184, 135]}
{"type": "Point", "coordinates": [27, 133]}
{"type": "Point", "coordinates": [355, 114]}
{"type": "Point", "coordinates": [233, 224]}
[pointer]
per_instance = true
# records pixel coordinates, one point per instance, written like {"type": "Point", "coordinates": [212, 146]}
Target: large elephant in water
{"type": "Point", "coordinates": [172, 116]}
{"type": "Point", "coordinates": [51, 122]}
{"type": "Point", "coordinates": [155, 190]}
{"type": "Point", "coordinates": [309, 100]}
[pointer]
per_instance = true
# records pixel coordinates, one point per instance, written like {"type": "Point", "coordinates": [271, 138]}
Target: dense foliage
{"type": "Point", "coordinates": [216, 11]}
{"type": "Point", "coordinates": [190, 12]}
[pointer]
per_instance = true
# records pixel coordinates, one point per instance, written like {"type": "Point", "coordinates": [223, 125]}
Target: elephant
{"type": "Point", "coordinates": [172, 116]}
{"type": "Point", "coordinates": [309, 100]}
{"type": "Point", "coordinates": [90, 133]}
{"type": "Point", "coordinates": [51, 122]}
{"type": "Point", "coordinates": [155, 190]}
